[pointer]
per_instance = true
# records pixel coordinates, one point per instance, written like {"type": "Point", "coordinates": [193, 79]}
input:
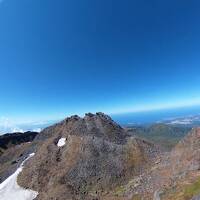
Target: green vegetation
{"type": "Point", "coordinates": [119, 190]}
{"type": "Point", "coordinates": [192, 190]}
{"type": "Point", "coordinates": [182, 192]}
{"type": "Point", "coordinates": [167, 136]}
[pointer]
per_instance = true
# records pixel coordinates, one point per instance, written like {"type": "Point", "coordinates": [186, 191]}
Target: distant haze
{"type": "Point", "coordinates": [181, 116]}
{"type": "Point", "coordinates": [141, 118]}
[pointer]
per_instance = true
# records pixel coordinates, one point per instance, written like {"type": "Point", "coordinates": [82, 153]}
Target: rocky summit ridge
{"type": "Point", "coordinates": [99, 125]}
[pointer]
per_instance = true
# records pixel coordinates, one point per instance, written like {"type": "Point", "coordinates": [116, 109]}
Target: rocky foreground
{"type": "Point", "coordinates": [93, 158]}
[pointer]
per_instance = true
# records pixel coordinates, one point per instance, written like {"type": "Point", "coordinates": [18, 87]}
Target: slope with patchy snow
{"type": "Point", "coordinates": [9, 189]}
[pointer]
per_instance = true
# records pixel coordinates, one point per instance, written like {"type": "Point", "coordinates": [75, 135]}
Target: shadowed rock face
{"type": "Point", "coordinates": [12, 139]}
{"type": "Point", "coordinates": [14, 148]}
{"type": "Point", "coordinates": [97, 157]}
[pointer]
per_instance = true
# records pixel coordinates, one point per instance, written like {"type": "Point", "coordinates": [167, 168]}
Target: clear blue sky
{"type": "Point", "coordinates": [74, 56]}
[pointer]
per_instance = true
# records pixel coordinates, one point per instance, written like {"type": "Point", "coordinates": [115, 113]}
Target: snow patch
{"type": "Point", "coordinates": [61, 142]}
{"type": "Point", "coordinates": [9, 189]}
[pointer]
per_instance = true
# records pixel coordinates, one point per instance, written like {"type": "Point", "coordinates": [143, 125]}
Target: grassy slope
{"type": "Point", "coordinates": [184, 191]}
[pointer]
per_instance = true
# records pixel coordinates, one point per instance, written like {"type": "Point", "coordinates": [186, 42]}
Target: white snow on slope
{"type": "Point", "coordinates": [61, 142]}
{"type": "Point", "coordinates": [10, 190]}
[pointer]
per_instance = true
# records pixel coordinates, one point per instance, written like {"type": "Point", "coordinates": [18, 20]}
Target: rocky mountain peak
{"type": "Point", "coordinates": [103, 117]}
{"type": "Point", "coordinates": [83, 158]}
{"type": "Point", "coordinates": [98, 125]}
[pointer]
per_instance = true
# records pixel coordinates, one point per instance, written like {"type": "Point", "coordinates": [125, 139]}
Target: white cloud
{"type": "Point", "coordinates": [7, 125]}
{"type": "Point", "coordinates": [17, 129]}
{"type": "Point", "coordinates": [10, 126]}
{"type": "Point", "coordinates": [37, 129]}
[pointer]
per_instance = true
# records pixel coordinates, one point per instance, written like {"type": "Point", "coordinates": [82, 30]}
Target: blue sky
{"type": "Point", "coordinates": [69, 57]}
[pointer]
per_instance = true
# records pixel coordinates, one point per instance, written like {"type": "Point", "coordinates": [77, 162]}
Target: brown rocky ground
{"type": "Point", "coordinates": [182, 167]}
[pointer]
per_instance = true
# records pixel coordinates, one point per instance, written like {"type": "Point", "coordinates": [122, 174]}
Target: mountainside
{"type": "Point", "coordinates": [97, 157]}
{"type": "Point", "coordinates": [11, 139]}
{"type": "Point", "coordinates": [93, 158]}
{"type": "Point", "coordinates": [188, 152]}
{"type": "Point", "coordinates": [167, 136]}
{"type": "Point", "coordinates": [180, 169]}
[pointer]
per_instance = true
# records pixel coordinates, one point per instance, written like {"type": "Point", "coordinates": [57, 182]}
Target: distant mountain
{"type": "Point", "coordinates": [165, 135]}
{"type": "Point", "coordinates": [11, 139]}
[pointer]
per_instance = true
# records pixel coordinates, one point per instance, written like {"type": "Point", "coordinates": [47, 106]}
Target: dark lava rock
{"type": "Point", "coordinates": [12, 139]}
